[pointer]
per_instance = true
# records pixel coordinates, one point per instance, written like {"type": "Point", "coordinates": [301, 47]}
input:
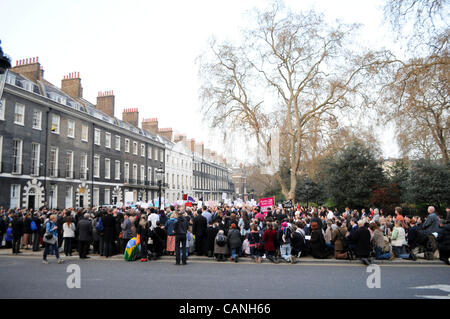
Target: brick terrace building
{"type": "Point", "coordinates": [59, 150]}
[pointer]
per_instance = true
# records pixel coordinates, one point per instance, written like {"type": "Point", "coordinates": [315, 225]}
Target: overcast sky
{"type": "Point", "coordinates": [145, 50]}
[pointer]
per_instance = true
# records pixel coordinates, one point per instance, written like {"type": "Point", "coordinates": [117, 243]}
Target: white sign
{"type": "Point", "coordinates": [224, 195]}
{"type": "Point", "coordinates": [129, 198]}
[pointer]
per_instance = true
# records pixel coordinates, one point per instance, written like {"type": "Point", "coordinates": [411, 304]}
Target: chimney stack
{"type": "Point", "coordinates": [29, 68]}
{"type": "Point", "coordinates": [131, 116]}
{"type": "Point", "coordinates": [179, 137]}
{"type": "Point", "coordinates": [166, 132]}
{"type": "Point", "coordinates": [207, 153]}
{"type": "Point", "coordinates": [105, 102]}
{"type": "Point", "coordinates": [150, 125]}
{"type": "Point", "coordinates": [71, 84]}
{"type": "Point", "coordinates": [192, 144]}
{"type": "Point", "coordinates": [199, 148]}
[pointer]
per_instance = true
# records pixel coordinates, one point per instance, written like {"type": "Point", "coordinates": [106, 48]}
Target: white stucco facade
{"type": "Point", "coordinates": [178, 170]}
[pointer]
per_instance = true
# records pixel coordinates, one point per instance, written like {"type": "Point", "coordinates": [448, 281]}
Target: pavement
{"type": "Point", "coordinates": [25, 276]}
{"type": "Point", "coordinates": [300, 261]}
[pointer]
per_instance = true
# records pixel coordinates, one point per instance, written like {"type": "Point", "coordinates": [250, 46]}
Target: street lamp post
{"type": "Point", "coordinates": [159, 177]}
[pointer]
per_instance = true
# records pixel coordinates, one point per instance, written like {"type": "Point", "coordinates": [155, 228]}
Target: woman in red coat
{"type": "Point", "coordinates": [269, 239]}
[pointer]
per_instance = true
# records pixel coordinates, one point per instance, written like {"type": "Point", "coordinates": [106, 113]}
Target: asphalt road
{"type": "Point", "coordinates": [27, 277]}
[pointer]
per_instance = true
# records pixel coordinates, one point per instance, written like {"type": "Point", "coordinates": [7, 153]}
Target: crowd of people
{"type": "Point", "coordinates": [228, 233]}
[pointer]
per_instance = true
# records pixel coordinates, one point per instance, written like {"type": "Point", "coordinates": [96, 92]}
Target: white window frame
{"type": "Point", "coordinates": [54, 169]}
{"type": "Point", "coordinates": [35, 160]}
{"type": "Point", "coordinates": [107, 168]}
{"type": "Point", "coordinates": [19, 106]}
{"type": "Point", "coordinates": [142, 174]}
{"type": "Point", "coordinates": [126, 172]}
{"type": "Point", "coordinates": [53, 203]}
{"type": "Point", "coordinates": [97, 136]}
{"type": "Point", "coordinates": [33, 125]}
{"type": "Point", "coordinates": [96, 197]}
{"type": "Point", "coordinates": [135, 173]}
{"type": "Point", "coordinates": [11, 79]}
{"type": "Point", "coordinates": [84, 131]}
{"type": "Point", "coordinates": [107, 199]}
{"type": "Point", "coordinates": [117, 170]}
{"type": "Point", "coordinates": [71, 129]}
{"type": "Point", "coordinates": [149, 152]}
{"type": "Point", "coordinates": [69, 168]}
{"type": "Point", "coordinates": [127, 145]}
{"type": "Point", "coordinates": [107, 140]}
{"type": "Point", "coordinates": [69, 199]}
{"type": "Point", "coordinates": [84, 165]}
{"type": "Point", "coordinates": [96, 168]}
{"type": "Point", "coordinates": [117, 145]}
{"type": "Point", "coordinates": [135, 148]}
{"type": "Point", "coordinates": [143, 150]}
{"type": "Point", "coordinates": [1, 151]}
{"type": "Point", "coordinates": [149, 174]}
{"type": "Point", "coordinates": [17, 158]}
{"type": "Point", "coordinates": [53, 129]}
{"type": "Point", "coordinates": [2, 109]}
{"type": "Point", "coordinates": [15, 189]}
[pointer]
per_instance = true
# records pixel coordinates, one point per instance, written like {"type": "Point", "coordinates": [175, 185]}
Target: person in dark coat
{"type": "Point", "coordinates": [444, 240]}
{"type": "Point", "coordinates": [361, 240]}
{"type": "Point", "coordinates": [144, 231]}
{"type": "Point", "coordinates": [351, 232]}
{"type": "Point", "coordinates": [319, 248]}
{"type": "Point", "coordinates": [199, 227]}
{"type": "Point", "coordinates": [17, 233]}
{"type": "Point", "coordinates": [59, 222]}
{"type": "Point", "coordinates": [163, 217]}
{"type": "Point", "coordinates": [211, 233]}
{"type": "Point", "coordinates": [158, 236]}
{"type": "Point", "coordinates": [84, 236]}
{"type": "Point", "coordinates": [234, 241]}
{"type": "Point", "coordinates": [36, 236]}
{"type": "Point", "coordinates": [109, 231]}
{"type": "Point", "coordinates": [298, 241]}
{"type": "Point", "coordinates": [254, 239]}
{"type": "Point", "coordinates": [180, 227]}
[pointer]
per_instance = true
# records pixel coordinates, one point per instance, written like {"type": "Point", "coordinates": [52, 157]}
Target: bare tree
{"type": "Point", "coordinates": [292, 74]}
{"type": "Point", "coordinates": [418, 102]}
{"type": "Point", "coordinates": [424, 22]}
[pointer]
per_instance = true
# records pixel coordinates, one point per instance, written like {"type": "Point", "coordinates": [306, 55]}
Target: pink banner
{"type": "Point", "coordinates": [265, 203]}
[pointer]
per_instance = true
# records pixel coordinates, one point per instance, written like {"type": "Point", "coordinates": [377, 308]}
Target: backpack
{"type": "Point", "coordinates": [33, 226]}
{"type": "Point", "coordinates": [220, 240]}
{"type": "Point", "coordinates": [99, 226]}
{"type": "Point", "coordinates": [285, 234]}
